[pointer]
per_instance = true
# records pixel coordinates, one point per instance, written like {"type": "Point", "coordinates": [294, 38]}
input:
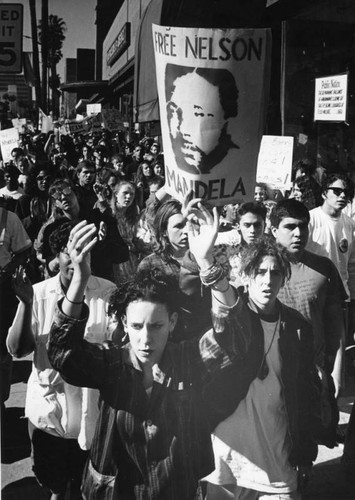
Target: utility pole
{"type": "Point", "coordinates": [35, 53]}
{"type": "Point", "coordinates": [44, 26]}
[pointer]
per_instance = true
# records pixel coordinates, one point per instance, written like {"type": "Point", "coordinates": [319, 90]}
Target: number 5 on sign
{"type": "Point", "coordinates": [11, 24]}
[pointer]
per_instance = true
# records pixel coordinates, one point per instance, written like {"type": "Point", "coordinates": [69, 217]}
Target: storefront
{"type": "Point", "coordinates": [311, 39]}
{"type": "Point", "coordinates": [318, 44]}
{"type": "Point", "coordinates": [119, 57]}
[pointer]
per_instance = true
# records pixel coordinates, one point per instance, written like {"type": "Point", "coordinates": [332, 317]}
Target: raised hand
{"type": "Point", "coordinates": [22, 286]}
{"type": "Point", "coordinates": [82, 238]}
{"type": "Point", "coordinates": [202, 230]}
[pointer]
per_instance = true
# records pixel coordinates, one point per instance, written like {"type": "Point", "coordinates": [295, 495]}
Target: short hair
{"type": "Point", "coordinates": [288, 208]}
{"type": "Point", "coordinates": [253, 207]}
{"type": "Point", "coordinates": [118, 156]}
{"type": "Point", "coordinates": [221, 78]}
{"type": "Point", "coordinates": [18, 152]}
{"type": "Point", "coordinates": [11, 170]}
{"type": "Point", "coordinates": [58, 183]}
{"type": "Point", "coordinates": [157, 180]}
{"type": "Point", "coordinates": [150, 285]}
{"type": "Point", "coordinates": [100, 147]}
{"type": "Point", "coordinates": [161, 220]}
{"type": "Point", "coordinates": [252, 255]}
{"type": "Point", "coordinates": [264, 187]}
{"type": "Point", "coordinates": [329, 179]}
{"type": "Point", "coordinates": [85, 164]}
{"type": "Point", "coordinates": [59, 237]}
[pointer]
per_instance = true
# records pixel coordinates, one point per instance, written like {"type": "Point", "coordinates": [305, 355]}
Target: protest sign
{"type": "Point", "coordinates": [93, 109]}
{"type": "Point", "coordinates": [90, 124]}
{"type": "Point", "coordinates": [93, 123]}
{"type": "Point", "coordinates": [212, 86]}
{"type": "Point", "coordinates": [330, 103]}
{"type": "Point", "coordinates": [9, 139]}
{"type": "Point", "coordinates": [275, 161]}
{"type": "Point", "coordinates": [45, 122]}
{"type": "Point", "coordinates": [75, 127]}
{"type": "Point", "coordinates": [112, 119]}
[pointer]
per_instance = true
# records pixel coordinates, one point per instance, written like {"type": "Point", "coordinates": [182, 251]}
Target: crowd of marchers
{"type": "Point", "coordinates": [179, 352]}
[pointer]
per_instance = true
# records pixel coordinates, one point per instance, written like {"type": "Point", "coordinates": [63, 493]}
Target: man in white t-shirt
{"type": "Point", "coordinates": [332, 233]}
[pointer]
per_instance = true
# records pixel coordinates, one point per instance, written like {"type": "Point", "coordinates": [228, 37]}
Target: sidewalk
{"type": "Point", "coordinates": [19, 483]}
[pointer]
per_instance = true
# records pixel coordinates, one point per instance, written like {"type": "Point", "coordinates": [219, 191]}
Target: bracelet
{"type": "Point", "coordinates": [215, 274]}
{"type": "Point", "coordinates": [215, 289]}
{"type": "Point", "coordinates": [74, 302]}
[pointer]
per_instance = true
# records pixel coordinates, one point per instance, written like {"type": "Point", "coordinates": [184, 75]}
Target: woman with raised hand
{"type": "Point", "coordinates": [152, 438]}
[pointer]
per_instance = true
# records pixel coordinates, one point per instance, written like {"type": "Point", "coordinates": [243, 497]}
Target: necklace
{"type": "Point", "coordinates": [264, 369]}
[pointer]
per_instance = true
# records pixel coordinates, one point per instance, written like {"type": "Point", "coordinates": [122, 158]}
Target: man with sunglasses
{"type": "Point", "coordinates": [332, 233]}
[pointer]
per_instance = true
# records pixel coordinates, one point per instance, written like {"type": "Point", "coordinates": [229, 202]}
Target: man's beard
{"type": "Point", "coordinates": [192, 159]}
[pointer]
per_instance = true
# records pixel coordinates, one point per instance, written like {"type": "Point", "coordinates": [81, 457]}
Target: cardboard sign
{"type": "Point", "coordinates": [331, 95]}
{"type": "Point", "coordinates": [90, 124]}
{"type": "Point", "coordinates": [212, 87]}
{"type": "Point", "coordinates": [9, 139]}
{"type": "Point", "coordinates": [275, 161]}
{"type": "Point", "coordinates": [93, 109]}
{"type": "Point", "coordinates": [112, 119]}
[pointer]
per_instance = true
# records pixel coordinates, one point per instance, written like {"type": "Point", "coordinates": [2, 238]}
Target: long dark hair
{"type": "Point", "coordinates": [31, 184]}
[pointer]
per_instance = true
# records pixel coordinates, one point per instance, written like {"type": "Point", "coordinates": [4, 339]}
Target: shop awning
{"type": "Point", "coordinates": [184, 13]}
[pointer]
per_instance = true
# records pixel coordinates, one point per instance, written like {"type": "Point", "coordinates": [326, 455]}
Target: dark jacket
{"type": "Point", "coordinates": [144, 448]}
{"type": "Point", "coordinates": [158, 448]}
{"type": "Point", "coordinates": [299, 375]}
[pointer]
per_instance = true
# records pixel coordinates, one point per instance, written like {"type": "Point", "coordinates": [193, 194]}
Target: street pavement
{"type": "Point", "coordinates": [18, 481]}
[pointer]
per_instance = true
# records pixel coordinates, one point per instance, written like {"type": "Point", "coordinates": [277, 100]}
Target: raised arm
{"type": "Point", "coordinates": [20, 340]}
{"type": "Point", "coordinates": [81, 240]}
{"type": "Point", "coordinates": [79, 362]}
{"type": "Point", "coordinates": [202, 229]}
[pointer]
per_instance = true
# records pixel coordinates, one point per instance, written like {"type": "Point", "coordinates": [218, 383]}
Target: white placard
{"type": "Point", "coordinates": [9, 139]}
{"type": "Point", "coordinates": [212, 87]}
{"type": "Point", "coordinates": [93, 109]}
{"type": "Point", "coordinates": [112, 119]}
{"type": "Point", "coordinates": [275, 161]}
{"type": "Point", "coordinates": [331, 95]}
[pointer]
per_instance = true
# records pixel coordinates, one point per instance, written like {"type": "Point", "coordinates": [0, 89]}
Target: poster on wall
{"type": "Point", "coordinates": [213, 87]}
{"type": "Point", "coordinates": [275, 161]}
{"type": "Point", "coordinates": [330, 103]}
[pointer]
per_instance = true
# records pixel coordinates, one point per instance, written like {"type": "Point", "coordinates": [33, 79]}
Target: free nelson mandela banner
{"type": "Point", "coordinates": [213, 86]}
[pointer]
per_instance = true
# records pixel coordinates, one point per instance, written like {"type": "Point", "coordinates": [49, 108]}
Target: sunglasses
{"type": "Point", "coordinates": [339, 191]}
{"type": "Point", "coordinates": [43, 178]}
{"type": "Point", "coordinates": [58, 193]}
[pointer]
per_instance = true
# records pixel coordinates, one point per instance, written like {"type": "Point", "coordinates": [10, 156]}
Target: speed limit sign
{"type": "Point", "coordinates": [11, 22]}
